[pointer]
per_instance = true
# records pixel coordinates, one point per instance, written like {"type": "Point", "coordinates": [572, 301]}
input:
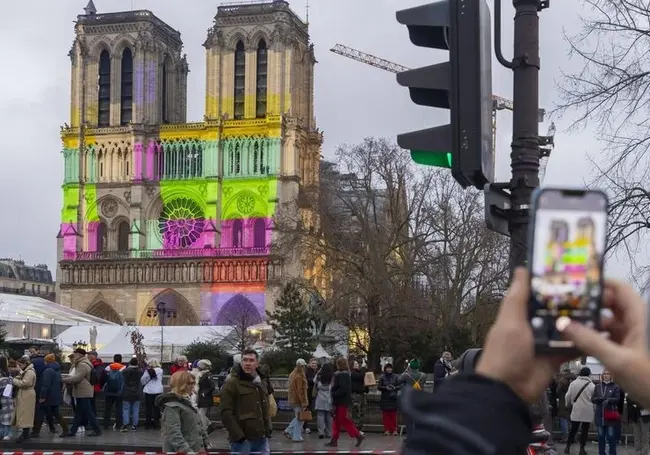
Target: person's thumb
{"type": "Point", "coordinates": [588, 341]}
{"type": "Point", "coordinates": [515, 303]}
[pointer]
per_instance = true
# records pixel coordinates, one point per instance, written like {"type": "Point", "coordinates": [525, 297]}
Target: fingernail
{"type": "Point", "coordinates": [562, 323]}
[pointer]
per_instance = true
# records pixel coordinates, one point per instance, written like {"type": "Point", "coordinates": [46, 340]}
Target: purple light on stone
{"type": "Point", "coordinates": [151, 81]}
{"type": "Point", "coordinates": [139, 84]}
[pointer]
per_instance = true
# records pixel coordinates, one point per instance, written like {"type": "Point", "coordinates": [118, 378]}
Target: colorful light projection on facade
{"type": "Point", "coordinates": [184, 165]}
{"type": "Point", "coordinates": [238, 305]}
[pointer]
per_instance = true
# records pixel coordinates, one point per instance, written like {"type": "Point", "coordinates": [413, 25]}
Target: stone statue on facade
{"type": "Point", "coordinates": [93, 337]}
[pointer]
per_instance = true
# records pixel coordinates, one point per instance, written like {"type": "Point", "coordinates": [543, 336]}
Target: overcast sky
{"type": "Point", "coordinates": [352, 100]}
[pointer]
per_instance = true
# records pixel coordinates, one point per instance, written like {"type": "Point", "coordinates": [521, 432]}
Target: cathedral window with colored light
{"type": "Point", "coordinates": [157, 209]}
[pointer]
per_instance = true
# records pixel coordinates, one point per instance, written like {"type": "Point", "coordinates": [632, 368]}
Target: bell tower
{"type": "Point", "coordinates": [260, 73]}
{"type": "Point", "coordinates": [127, 68]}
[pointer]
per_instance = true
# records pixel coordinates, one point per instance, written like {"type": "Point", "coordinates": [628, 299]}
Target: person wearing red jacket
{"type": "Point", "coordinates": [180, 365]}
{"type": "Point", "coordinates": [98, 372]}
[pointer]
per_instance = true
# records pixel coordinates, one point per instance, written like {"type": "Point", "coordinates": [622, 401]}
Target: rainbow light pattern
{"type": "Point", "coordinates": [183, 163]}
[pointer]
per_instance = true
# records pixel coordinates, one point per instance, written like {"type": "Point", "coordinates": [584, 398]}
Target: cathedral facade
{"type": "Point", "coordinates": [160, 211]}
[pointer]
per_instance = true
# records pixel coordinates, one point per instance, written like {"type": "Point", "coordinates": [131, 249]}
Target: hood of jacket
{"type": "Point", "coordinates": [116, 366]}
{"type": "Point", "coordinates": [83, 360]}
{"type": "Point", "coordinates": [168, 398]}
{"type": "Point", "coordinates": [54, 366]}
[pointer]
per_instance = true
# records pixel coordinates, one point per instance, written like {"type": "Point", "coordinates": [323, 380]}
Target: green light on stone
{"type": "Point", "coordinates": [430, 158]}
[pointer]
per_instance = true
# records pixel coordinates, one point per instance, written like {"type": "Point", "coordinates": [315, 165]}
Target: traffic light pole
{"type": "Point", "coordinates": [525, 154]}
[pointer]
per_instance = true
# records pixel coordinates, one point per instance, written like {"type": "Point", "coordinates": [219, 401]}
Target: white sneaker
{"type": "Point", "coordinates": [81, 430]}
{"type": "Point", "coordinates": [307, 430]}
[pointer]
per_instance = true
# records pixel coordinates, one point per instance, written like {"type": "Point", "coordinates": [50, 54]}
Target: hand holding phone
{"type": "Point", "coordinates": [566, 252]}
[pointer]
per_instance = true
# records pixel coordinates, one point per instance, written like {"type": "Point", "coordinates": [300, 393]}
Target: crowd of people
{"type": "Point", "coordinates": [33, 389]}
{"type": "Point", "coordinates": [488, 411]}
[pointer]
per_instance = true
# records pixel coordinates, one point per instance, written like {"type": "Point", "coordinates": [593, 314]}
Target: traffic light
{"type": "Point", "coordinates": [463, 85]}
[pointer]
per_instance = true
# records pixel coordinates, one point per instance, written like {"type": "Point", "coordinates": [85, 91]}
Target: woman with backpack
{"type": "Point", "coordinates": [152, 381]}
{"type": "Point", "coordinates": [416, 380]}
{"type": "Point", "coordinates": [131, 395]}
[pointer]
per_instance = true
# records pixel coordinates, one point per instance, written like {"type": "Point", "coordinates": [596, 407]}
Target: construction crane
{"type": "Point", "coordinates": [498, 103]}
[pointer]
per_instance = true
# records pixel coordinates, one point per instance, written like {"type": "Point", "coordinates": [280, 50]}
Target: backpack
{"type": "Point", "coordinates": [114, 382]}
{"type": "Point", "coordinates": [94, 378]}
{"type": "Point", "coordinates": [416, 383]}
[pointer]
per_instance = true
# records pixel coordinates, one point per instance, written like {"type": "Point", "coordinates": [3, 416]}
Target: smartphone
{"type": "Point", "coordinates": [568, 234]}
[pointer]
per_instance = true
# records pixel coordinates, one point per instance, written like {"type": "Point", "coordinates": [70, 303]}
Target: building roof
{"type": "Point", "coordinates": [20, 308]}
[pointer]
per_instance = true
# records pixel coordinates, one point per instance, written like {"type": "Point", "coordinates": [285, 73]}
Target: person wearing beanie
{"type": "Point", "coordinates": [389, 386]}
{"type": "Point", "coordinates": [25, 398]}
{"type": "Point", "coordinates": [441, 370]}
{"type": "Point", "coordinates": [51, 394]}
{"type": "Point", "coordinates": [412, 378]}
{"type": "Point", "coordinates": [204, 392]}
{"type": "Point", "coordinates": [578, 398]}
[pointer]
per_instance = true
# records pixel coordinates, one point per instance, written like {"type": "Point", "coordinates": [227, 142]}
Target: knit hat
{"type": "Point", "coordinates": [414, 364]}
{"type": "Point", "coordinates": [204, 364]}
{"type": "Point", "coordinates": [50, 358]}
{"type": "Point", "coordinates": [301, 363]}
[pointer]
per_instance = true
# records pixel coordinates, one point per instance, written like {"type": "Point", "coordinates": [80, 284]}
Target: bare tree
{"type": "Point", "coordinates": [611, 92]}
{"type": "Point", "coordinates": [241, 319]}
{"type": "Point", "coordinates": [465, 271]}
{"type": "Point", "coordinates": [377, 244]}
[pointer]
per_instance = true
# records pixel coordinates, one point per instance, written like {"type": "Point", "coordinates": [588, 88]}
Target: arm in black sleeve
{"type": "Point", "coordinates": [471, 415]}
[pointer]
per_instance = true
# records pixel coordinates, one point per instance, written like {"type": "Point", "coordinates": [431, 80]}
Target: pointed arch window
{"type": "Point", "coordinates": [259, 233]}
{"type": "Point", "coordinates": [165, 89]}
{"type": "Point", "coordinates": [123, 236]}
{"type": "Point", "coordinates": [237, 234]}
{"type": "Point", "coordinates": [126, 99]}
{"type": "Point", "coordinates": [262, 71]}
{"type": "Point", "coordinates": [102, 237]}
{"type": "Point", "coordinates": [104, 99]}
{"type": "Point", "coordinates": [240, 79]}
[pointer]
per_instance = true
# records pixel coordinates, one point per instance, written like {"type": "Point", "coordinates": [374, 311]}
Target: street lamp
{"type": "Point", "coordinates": [160, 309]}
{"type": "Point", "coordinates": [163, 314]}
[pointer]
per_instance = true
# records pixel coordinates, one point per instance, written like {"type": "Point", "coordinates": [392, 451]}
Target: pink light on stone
{"type": "Point", "coordinates": [137, 162]}
{"type": "Point", "coordinates": [91, 233]}
{"type": "Point", "coordinates": [151, 150]}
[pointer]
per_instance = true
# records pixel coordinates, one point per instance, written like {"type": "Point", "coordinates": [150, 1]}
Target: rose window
{"type": "Point", "coordinates": [181, 223]}
{"type": "Point", "coordinates": [245, 204]}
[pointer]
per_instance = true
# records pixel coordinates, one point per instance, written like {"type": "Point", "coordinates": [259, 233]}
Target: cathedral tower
{"type": "Point", "coordinates": [164, 219]}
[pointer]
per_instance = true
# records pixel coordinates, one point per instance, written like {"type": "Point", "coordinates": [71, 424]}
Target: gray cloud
{"type": "Point", "coordinates": [352, 100]}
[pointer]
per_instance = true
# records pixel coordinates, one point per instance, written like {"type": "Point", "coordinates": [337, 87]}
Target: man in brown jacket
{"type": "Point", "coordinates": [245, 407]}
{"type": "Point", "coordinates": [83, 393]}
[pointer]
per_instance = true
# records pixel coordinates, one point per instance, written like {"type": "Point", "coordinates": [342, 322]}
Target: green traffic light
{"type": "Point", "coordinates": [431, 158]}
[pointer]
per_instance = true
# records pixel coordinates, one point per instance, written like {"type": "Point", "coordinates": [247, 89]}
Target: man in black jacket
{"type": "Point", "coordinates": [487, 412]}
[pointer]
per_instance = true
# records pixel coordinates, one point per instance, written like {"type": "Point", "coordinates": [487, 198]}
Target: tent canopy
{"type": "Point", "coordinates": [321, 353]}
{"type": "Point", "coordinates": [116, 339]}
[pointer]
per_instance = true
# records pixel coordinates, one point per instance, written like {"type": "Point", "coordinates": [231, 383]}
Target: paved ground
{"type": "Point", "coordinates": [149, 441]}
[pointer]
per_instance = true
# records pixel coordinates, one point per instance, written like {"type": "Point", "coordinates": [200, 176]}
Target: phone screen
{"type": "Point", "coordinates": [569, 235]}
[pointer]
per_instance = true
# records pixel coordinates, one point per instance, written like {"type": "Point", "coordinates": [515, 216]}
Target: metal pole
{"type": "Point", "coordinates": [525, 132]}
{"type": "Point", "coordinates": [161, 314]}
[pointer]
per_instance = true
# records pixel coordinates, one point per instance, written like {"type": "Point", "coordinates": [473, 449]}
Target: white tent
{"type": "Point", "coordinates": [321, 353]}
{"type": "Point", "coordinates": [116, 339]}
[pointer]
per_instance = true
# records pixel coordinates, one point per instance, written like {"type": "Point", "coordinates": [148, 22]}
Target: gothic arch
{"type": "Point", "coordinates": [258, 34]}
{"type": "Point", "coordinates": [182, 312]}
{"type": "Point", "coordinates": [238, 34]}
{"type": "Point", "coordinates": [97, 46]}
{"type": "Point", "coordinates": [100, 309]}
{"type": "Point", "coordinates": [115, 222]}
{"type": "Point", "coordinates": [238, 310]}
{"type": "Point", "coordinates": [121, 42]}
